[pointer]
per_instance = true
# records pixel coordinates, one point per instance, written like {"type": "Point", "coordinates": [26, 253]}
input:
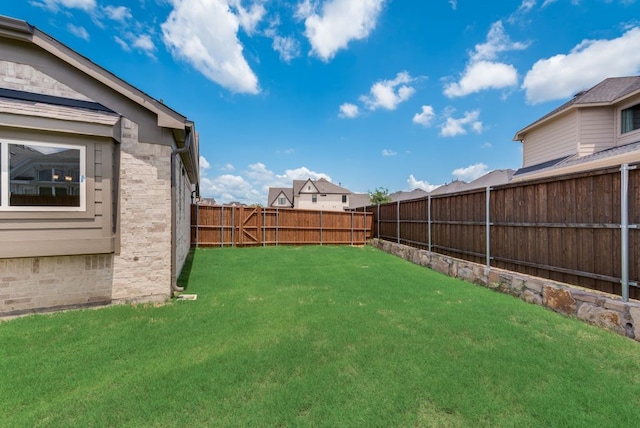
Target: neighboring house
{"type": "Point", "coordinates": [96, 181]}
{"type": "Point", "coordinates": [311, 195]}
{"type": "Point", "coordinates": [597, 128]}
{"type": "Point", "coordinates": [453, 187]}
{"type": "Point", "coordinates": [280, 197]}
{"type": "Point", "coordinates": [406, 196]}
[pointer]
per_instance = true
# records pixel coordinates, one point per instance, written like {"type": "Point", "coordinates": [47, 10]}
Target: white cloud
{"type": "Point", "coordinates": [205, 34]}
{"type": "Point", "coordinates": [469, 122]}
{"type": "Point", "coordinates": [454, 4]}
{"type": "Point", "coordinates": [497, 42]}
{"type": "Point", "coordinates": [251, 185]}
{"type": "Point", "coordinates": [388, 94]}
{"type": "Point", "coordinates": [486, 145]}
{"type": "Point", "coordinates": [78, 31]}
{"type": "Point", "coordinates": [348, 110]}
{"type": "Point", "coordinates": [117, 13]}
{"type": "Point", "coordinates": [124, 45]}
{"type": "Point", "coordinates": [482, 71]}
{"type": "Point", "coordinates": [525, 7]}
{"type": "Point", "coordinates": [228, 167]}
{"type": "Point", "coordinates": [419, 184]}
{"type": "Point", "coordinates": [425, 117]}
{"type": "Point", "coordinates": [144, 43]}
{"type": "Point", "coordinates": [339, 22]}
{"type": "Point", "coordinates": [248, 19]}
{"type": "Point", "coordinates": [471, 172]}
{"type": "Point", "coordinates": [55, 5]}
{"type": "Point", "coordinates": [483, 75]}
{"type": "Point", "coordinates": [204, 163]}
{"type": "Point", "coordinates": [287, 47]}
{"type": "Point", "coordinates": [588, 63]}
{"type": "Point", "coordinates": [386, 152]}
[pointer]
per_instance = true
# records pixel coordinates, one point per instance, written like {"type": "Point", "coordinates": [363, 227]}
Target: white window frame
{"type": "Point", "coordinates": [5, 182]}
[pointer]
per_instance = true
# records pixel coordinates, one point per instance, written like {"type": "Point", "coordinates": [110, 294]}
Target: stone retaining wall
{"type": "Point", "coordinates": [601, 309]}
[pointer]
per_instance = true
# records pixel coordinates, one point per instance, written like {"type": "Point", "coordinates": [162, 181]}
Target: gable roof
{"type": "Point", "coordinates": [322, 186]}
{"type": "Point", "coordinates": [607, 92]}
{"type": "Point", "coordinates": [275, 192]}
{"type": "Point", "coordinates": [183, 129]}
{"type": "Point", "coordinates": [23, 31]}
{"type": "Point", "coordinates": [405, 196]}
{"type": "Point", "coordinates": [493, 178]}
{"type": "Point", "coordinates": [454, 186]}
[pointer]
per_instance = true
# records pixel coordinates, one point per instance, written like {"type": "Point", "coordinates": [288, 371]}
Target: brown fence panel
{"type": "Point", "coordinates": [567, 228]}
{"type": "Point", "coordinates": [251, 226]}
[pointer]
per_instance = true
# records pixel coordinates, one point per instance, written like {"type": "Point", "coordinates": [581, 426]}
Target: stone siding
{"type": "Point", "coordinates": [23, 77]}
{"type": "Point", "coordinates": [49, 283]}
{"type": "Point", "coordinates": [142, 269]}
{"type": "Point", "coordinates": [597, 308]}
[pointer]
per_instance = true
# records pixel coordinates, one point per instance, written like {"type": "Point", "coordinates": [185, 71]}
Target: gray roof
{"type": "Point", "coordinates": [405, 196]}
{"type": "Point", "coordinates": [453, 187]}
{"type": "Point", "coordinates": [274, 192]}
{"type": "Point", "coordinates": [493, 178]}
{"type": "Point", "coordinates": [324, 186]}
{"type": "Point", "coordinates": [606, 92]}
{"type": "Point", "coordinates": [577, 160]}
{"type": "Point", "coordinates": [357, 200]}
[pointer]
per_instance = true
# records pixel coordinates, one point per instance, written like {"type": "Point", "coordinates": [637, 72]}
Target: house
{"type": "Point", "coordinates": [96, 181]}
{"type": "Point", "coordinates": [310, 195]}
{"type": "Point", "coordinates": [597, 128]}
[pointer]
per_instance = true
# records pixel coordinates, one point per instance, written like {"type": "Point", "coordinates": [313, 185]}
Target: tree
{"type": "Point", "coordinates": [379, 196]}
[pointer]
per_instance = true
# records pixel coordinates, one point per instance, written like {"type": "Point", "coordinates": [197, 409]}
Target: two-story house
{"type": "Point", "coordinates": [310, 195]}
{"type": "Point", "coordinates": [597, 128]}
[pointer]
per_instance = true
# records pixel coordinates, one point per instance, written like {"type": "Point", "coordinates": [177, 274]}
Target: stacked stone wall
{"type": "Point", "coordinates": [594, 307]}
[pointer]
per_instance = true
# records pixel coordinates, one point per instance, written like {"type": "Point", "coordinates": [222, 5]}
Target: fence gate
{"type": "Point", "coordinates": [249, 226]}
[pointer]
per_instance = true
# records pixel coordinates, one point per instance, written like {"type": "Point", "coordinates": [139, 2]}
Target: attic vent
{"type": "Point", "coordinates": [579, 93]}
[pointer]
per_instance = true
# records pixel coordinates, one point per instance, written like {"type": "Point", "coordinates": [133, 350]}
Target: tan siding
{"type": "Point", "coordinates": [27, 234]}
{"type": "Point", "coordinates": [596, 129]}
{"type": "Point", "coordinates": [552, 141]}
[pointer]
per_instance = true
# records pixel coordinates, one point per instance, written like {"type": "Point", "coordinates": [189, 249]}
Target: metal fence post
{"type": "Point", "coordinates": [398, 220]}
{"type": "Point", "coordinates": [624, 230]}
{"type": "Point", "coordinates": [429, 220]}
{"type": "Point", "coordinates": [488, 225]}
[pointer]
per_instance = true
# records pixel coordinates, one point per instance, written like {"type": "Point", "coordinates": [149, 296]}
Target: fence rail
{"type": "Point", "coordinates": [580, 229]}
{"type": "Point", "coordinates": [249, 226]}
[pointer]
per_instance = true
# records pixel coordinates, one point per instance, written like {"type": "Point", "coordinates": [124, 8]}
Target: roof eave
{"type": "Point", "coordinates": [167, 118]}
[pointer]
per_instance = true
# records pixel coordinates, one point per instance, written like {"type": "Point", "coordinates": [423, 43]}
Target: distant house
{"type": "Point", "coordinates": [599, 127]}
{"type": "Point", "coordinates": [96, 181]}
{"type": "Point", "coordinates": [311, 195]}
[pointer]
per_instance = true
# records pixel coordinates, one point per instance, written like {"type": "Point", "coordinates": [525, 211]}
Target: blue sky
{"type": "Point", "coordinates": [366, 93]}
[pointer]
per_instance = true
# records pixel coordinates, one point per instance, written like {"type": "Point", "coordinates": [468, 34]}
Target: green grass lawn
{"type": "Point", "coordinates": [317, 336]}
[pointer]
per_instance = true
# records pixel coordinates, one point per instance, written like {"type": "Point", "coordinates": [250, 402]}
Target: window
{"type": "Point", "coordinates": [630, 119]}
{"type": "Point", "coordinates": [314, 198]}
{"type": "Point", "coordinates": [282, 201]}
{"type": "Point", "coordinates": [41, 176]}
{"type": "Point", "coordinates": [344, 199]}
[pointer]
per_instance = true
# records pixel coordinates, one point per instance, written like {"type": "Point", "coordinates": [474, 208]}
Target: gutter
{"type": "Point", "coordinates": [174, 153]}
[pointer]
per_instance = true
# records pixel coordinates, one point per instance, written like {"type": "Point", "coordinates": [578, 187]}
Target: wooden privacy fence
{"type": "Point", "coordinates": [251, 226]}
{"type": "Point", "coordinates": [580, 229]}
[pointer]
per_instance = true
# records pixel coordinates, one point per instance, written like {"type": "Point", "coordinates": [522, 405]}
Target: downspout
{"type": "Point", "coordinates": [174, 153]}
